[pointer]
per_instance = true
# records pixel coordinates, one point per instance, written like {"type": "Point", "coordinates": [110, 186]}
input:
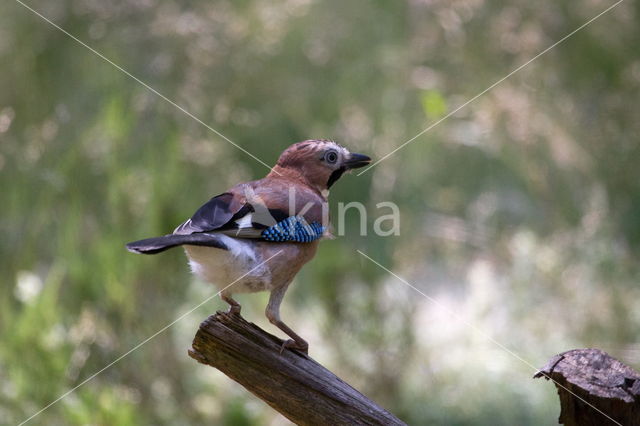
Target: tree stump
{"type": "Point", "coordinates": [291, 382]}
{"type": "Point", "coordinates": [594, 388]}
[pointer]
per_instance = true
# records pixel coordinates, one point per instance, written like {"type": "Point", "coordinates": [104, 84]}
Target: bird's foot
{"type": "Point", "coordinates": [234, 310]}
{"type": "Point", "coordinates": [234, 307]}
{"type": "Point", "coordinates": [292, 344]}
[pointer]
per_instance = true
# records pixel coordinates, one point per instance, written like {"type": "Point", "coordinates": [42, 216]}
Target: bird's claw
{"type": "Point", "coordinates": [234, 310]}
{"type": "Point", "coordinates": [292, 344]}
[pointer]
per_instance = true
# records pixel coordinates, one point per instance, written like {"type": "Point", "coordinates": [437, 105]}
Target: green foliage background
{"type": "Point", "coordinates": [519, 213]}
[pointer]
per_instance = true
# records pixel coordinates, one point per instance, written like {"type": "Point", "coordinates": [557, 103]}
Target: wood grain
{"type": "Point", "coordinates": [594, 388]}
{"type": "Point", "coordinates": [292, 383]}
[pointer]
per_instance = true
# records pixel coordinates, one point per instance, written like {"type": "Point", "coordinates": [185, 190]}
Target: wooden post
{"type": "Point", "coordinates": [594, 388]}
{"type": "Point", "coordinates": [292, 383]}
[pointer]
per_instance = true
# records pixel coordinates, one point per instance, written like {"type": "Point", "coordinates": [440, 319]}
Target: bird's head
{"type": "Point", "coordinates": [318, 163]}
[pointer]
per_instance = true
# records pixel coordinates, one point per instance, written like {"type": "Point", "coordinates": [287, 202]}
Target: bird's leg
{"type": "Point", "coordinates": [234, 307]}
{"type": "Point", "coordinates": [273, 315]}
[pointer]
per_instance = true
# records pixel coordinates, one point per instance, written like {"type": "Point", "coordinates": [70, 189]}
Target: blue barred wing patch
{"type": "Point", "coordinates": [294, 229]}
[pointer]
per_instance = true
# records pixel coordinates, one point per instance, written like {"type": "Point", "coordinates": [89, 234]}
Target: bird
{"type": "Point", "coordinates": [258, 234]}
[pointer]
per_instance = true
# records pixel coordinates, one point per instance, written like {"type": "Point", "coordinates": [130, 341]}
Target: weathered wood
{"type": "Point", "coordinates": [588, 378]}
{"type": "Point", "coordinates": [292, 383]}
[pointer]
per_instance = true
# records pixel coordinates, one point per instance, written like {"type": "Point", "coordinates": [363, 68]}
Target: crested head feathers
{"type": "Point", "coordinates": [317, 163]}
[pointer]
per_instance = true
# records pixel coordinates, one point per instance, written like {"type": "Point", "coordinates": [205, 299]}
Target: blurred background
{"type": "Point", "coordinates": [520, 213]}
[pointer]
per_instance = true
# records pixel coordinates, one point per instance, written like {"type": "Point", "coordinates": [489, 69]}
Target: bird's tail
{"type": "Point", "coordinates": [159, 244]}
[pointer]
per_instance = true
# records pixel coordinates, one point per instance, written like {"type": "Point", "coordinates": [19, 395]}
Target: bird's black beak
{"type": "Point", "coordinates": [355, 161]}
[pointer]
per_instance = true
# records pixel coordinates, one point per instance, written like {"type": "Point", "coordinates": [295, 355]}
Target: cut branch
{"type": "Point", "coordinates": [594, 388]}
{"type": "Point", "coordinates": [292, 383]}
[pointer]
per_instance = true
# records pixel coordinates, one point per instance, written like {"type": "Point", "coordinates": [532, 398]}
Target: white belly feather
{"type": "Point", "coordinates": [240, 265]}
{"type": "Point", "coordinates": [251, 265]}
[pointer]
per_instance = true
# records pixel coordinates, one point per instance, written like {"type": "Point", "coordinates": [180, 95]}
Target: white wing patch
{"type": "Point", "coordinates": [245, 228]}
{"type": "Point", "coordinates": [245, 221]}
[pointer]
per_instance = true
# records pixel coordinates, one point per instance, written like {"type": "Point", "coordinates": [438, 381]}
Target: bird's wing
{"type": "Point", "coordinates": [213, 215]}
{"type": "Point", "coordinates": [248, 210]}
{"type": "Point", "coordinates": [233, 214]}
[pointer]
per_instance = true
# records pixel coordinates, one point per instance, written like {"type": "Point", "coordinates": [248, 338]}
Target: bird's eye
{"type": "Point", "coordinates": [331, 157]}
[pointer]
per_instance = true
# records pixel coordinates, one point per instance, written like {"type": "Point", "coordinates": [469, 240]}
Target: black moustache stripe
{"type": "Point", "coordinates": [335, 176]}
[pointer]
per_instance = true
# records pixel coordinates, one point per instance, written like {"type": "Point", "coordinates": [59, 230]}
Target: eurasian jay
{"type": "Point", "coordinates": [263, 231]}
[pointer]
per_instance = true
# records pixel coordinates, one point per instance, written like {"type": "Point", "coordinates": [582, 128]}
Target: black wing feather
{"type": "Point", "coordinates": [218, 215]}
{"type": "Point", "coordinates": [213, 215]}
